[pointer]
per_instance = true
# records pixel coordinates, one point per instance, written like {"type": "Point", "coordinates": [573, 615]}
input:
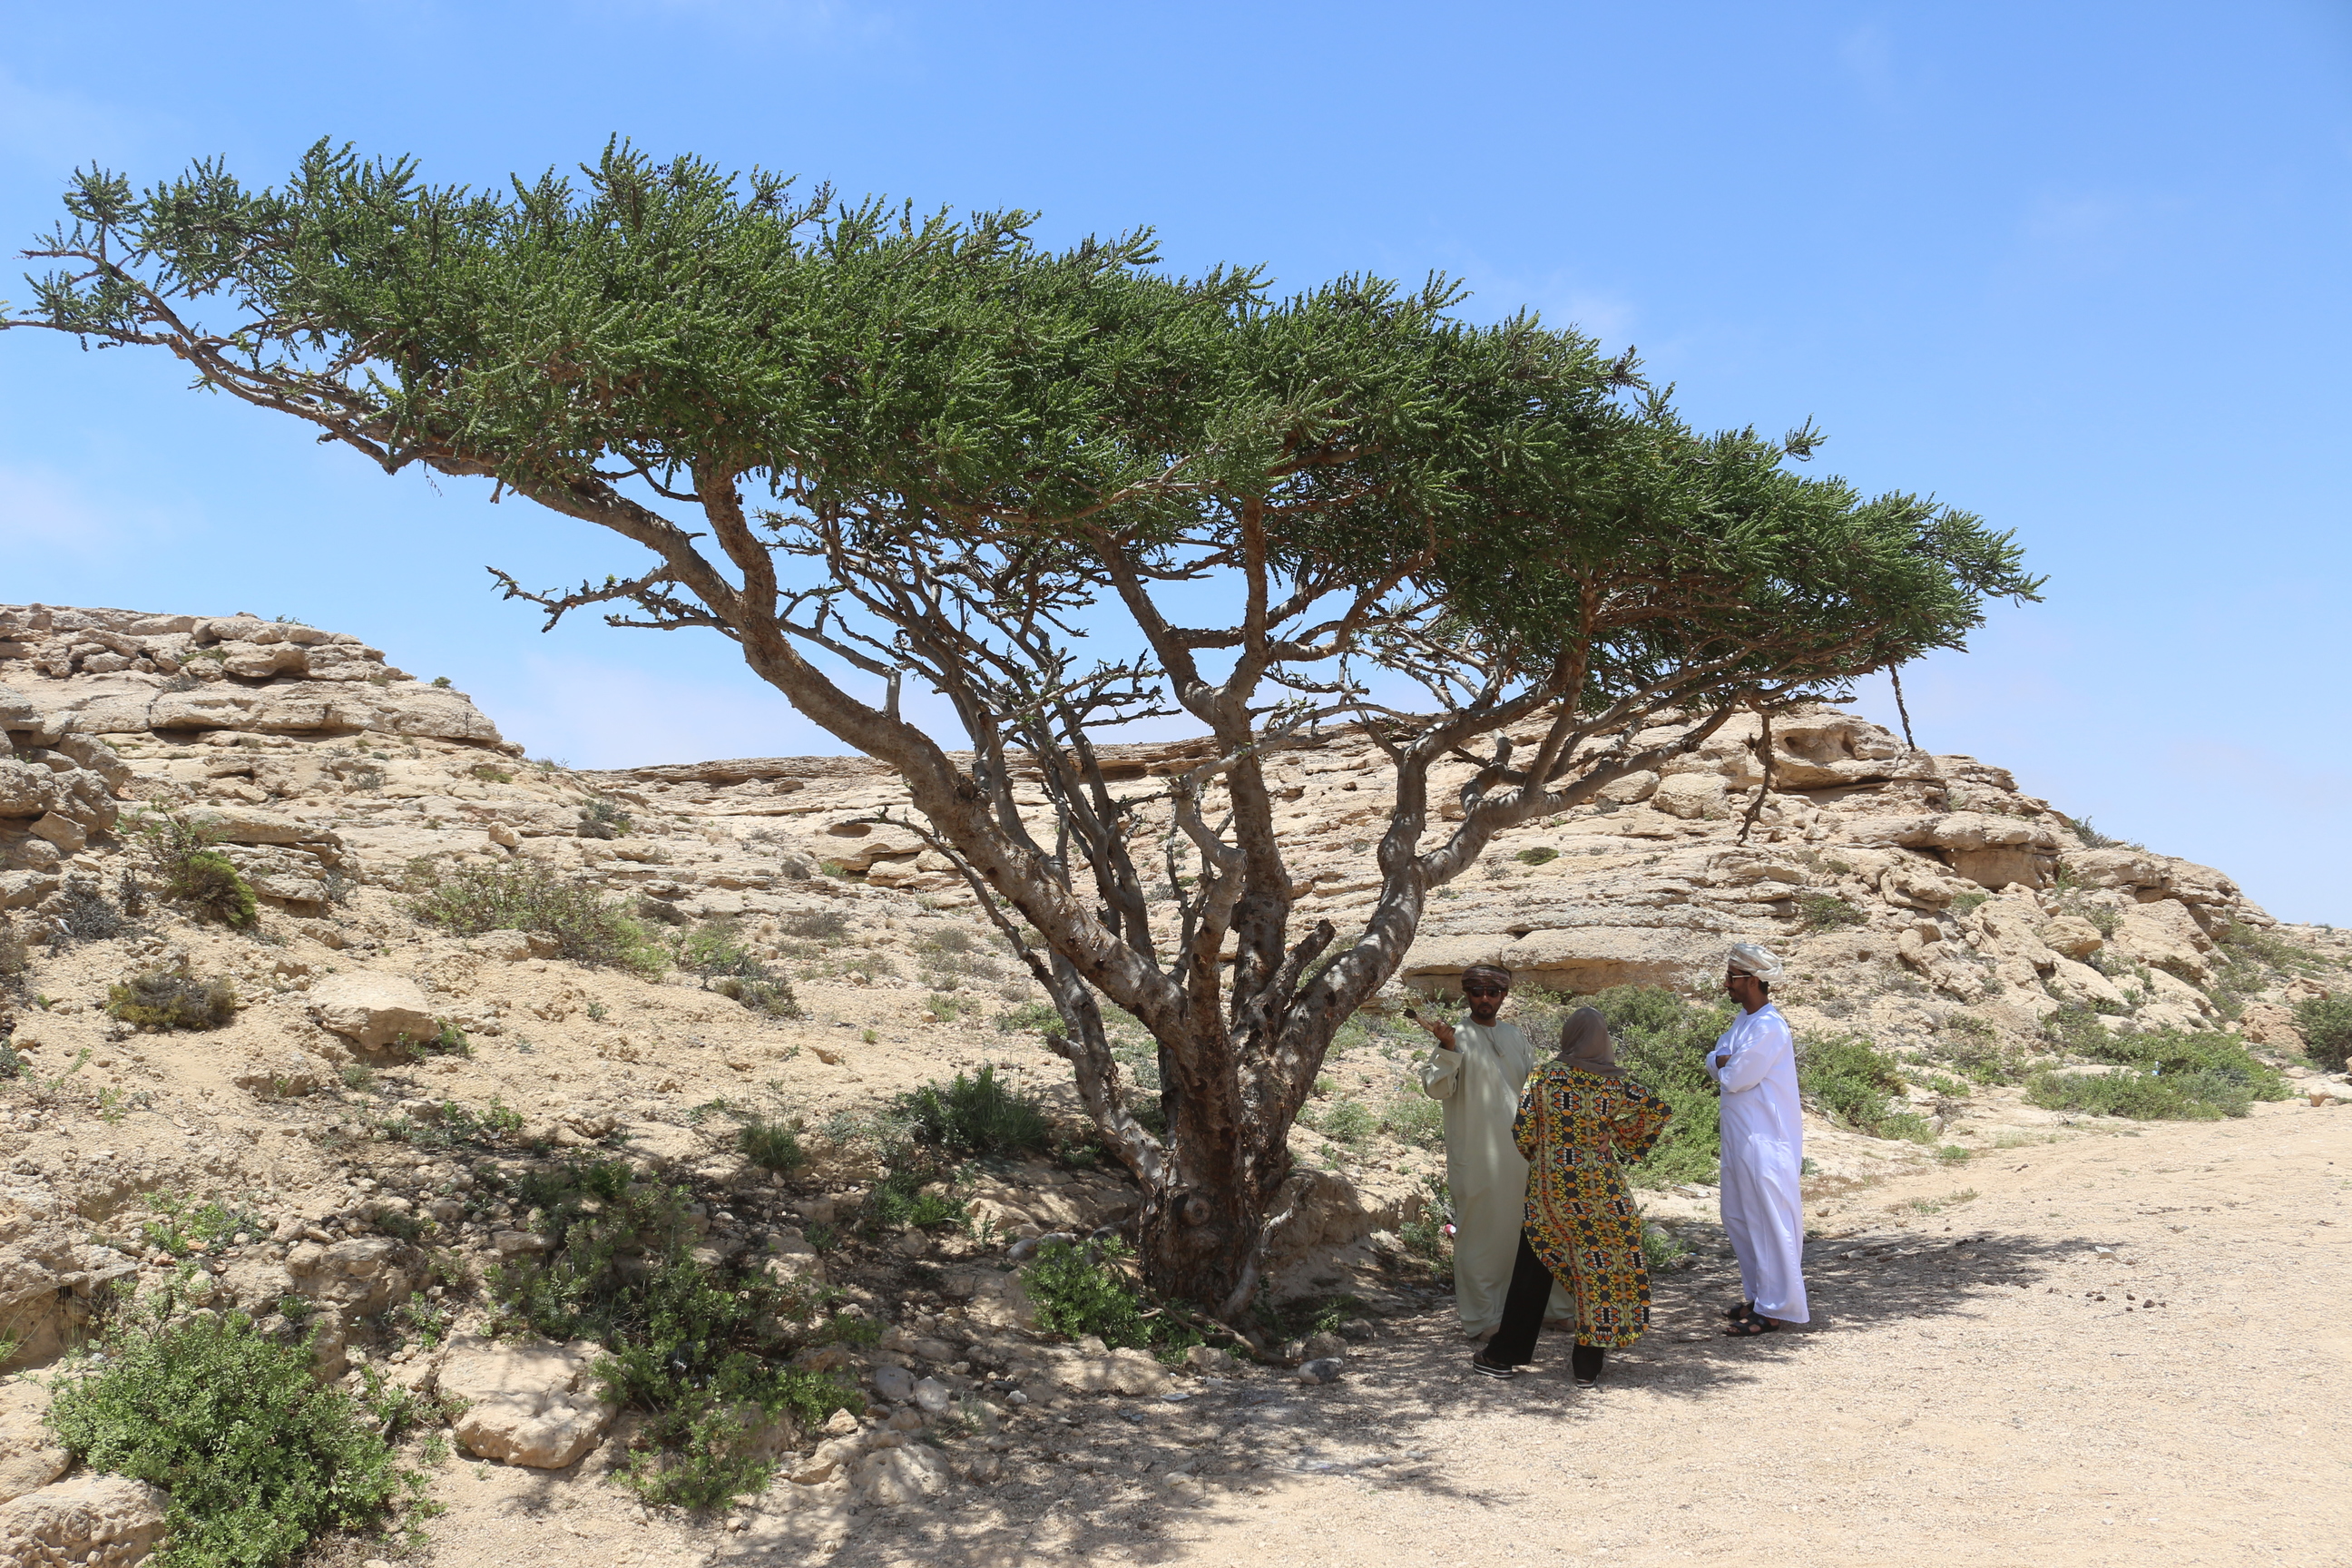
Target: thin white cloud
{"type": "Point", "coordinates": [41, 509]}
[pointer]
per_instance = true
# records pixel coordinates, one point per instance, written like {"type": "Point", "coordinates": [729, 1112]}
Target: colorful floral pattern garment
{"type": "Point", "coordinates": [1579, 1130]}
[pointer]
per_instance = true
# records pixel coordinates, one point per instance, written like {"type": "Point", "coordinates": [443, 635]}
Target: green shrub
{"type": "Point", "coordinates": [258, 1458]}
{"type": "Point", "coordinates": [770, 1144]}
{"type": "Point", "coordinates": [826, 926]}
{"type": "Point", "coordinates": [716, 948]}
{"type": "Point", "coordinates": [522, 895]}
{"type": "Point", "coordinates": [1346, 1121]}
{"type": "Point", "coordinates": [1424, 1235]}
{"type": "Point", "coordinates": [1028, 1015]}
{"type": "Point", "coordinates": [1968, 903]}
{"type": "Point", "coordinates": [172, 999]}
{"type": "Point", "coordinates": [903, 1199]}
{"type": "Point", "coordinates": [1085, 1290]}
{"type": "Point", "coordinates": [182, 1226]}
{"type": "Point", "coordinates": [769, 998]}
{"type": "Point", "coordinates": [193, 871]}
{"type": "Point", "coordinates": [2327, 1026]}
{"type": "Point", "coordinates": [1540, 855]}
{"type": "Point", "coordinates": [1662, 1248]}
{"type": "Point", "coordinates": [1826, 911]}
{"type": "Point", "coordinates": [975, 1115]}
{"type": "Point", "coordinates": [1853, 1082]}
{"type": "Point", "coordinates": [604, 817]}
{"type": "Point", "coordinates": [696, 1348]}
{"type": "Point", "coordinates": [2142, 1096]}
{"type": "Point", "coordinates": [1662, 1043]}
{"type": "Point", "coordinates": [13, 957]}
{"type": "Point", "coordinates": [1415, 1119]}
{"type": "Point", "coordinates": [490, 773]}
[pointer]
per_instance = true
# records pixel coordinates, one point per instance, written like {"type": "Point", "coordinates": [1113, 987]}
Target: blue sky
{"type": "Point", "coordinates": [2078, 268]}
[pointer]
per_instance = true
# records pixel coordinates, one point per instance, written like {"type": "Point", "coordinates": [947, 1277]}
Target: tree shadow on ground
{"type": "Point", "coordinates": [1107, 1496]}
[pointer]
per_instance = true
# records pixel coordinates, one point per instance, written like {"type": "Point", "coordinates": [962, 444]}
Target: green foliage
{"type": "Point", "coordinates": [1029, 1015]}
{"type": "Point", "coordinates": [1968, 903]}
{"type": "Point", "coordinates": [489, 773]}
{"type": "Point", "coordinates": [904, 1198]}
{"type": "Point", "coordinates": [696, 1348]}
{"type": "Point", "coordinates": [1415, 1119]}
{"type": "Point", "coordinates": [2327, 1026]}
{"type": "Point", "coordinates": [770, 1144]}
{"type": "Point", "coordinates": [184, 1226]}
{"type": "Point", "coordinates": [770, 998]}
{"type": "Point", "coordinates": [193, 871]}
{"type": "Point", "coordinates": [1344, 1121]}
{"type": "Point", "coordinates": [1424, 1235]}
{"type": "Point", "coordinates": [1662, 1248]}
{"type": "Point", "coordinates": [1086, 1289]}
{"type": "Point", "coordinates": [258, 1458]}
{"type": "Point", "coordinates": [1976, 1051]}
{"type": "Point", "coordinates": [524, 896]}
{"type": "Point", "coordinates": [1662, 1042]}
{"type": "Point", "coordinates": [2179, 1074]}
{"type": "Point", "coordinates": [2094, 839]}
{"type": "Point", "coordinates": [827, 926]}
{"type": "Point", "coordinates": [1857, 1084]}
{"type": "Point", "coordinates": [172, 999]}
{"type": "Point", "coordinates": [604, 817]}
{"type": "Point", "coordinates": [1540, 855]}
{"type": "Point", "coordinates": [974, 1115]}
{"type": "Point", "coordinates": [1826, 911]}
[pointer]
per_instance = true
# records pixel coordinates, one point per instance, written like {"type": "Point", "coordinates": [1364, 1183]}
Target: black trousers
{"type": "Point", "coordinates": [1514, 1343]}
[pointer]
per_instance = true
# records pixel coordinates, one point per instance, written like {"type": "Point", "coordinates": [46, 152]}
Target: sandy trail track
{"type": "Point", "coordinates": [1982, 1382]}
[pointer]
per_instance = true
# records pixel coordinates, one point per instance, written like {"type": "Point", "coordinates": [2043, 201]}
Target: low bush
{"type": "Point", "coordinates": [975, 1115]}
{"type": "Point", "coordinates": [12, 956]}
{"type": "Point", "coordinates": [770, 1144]}
{"type": "Point", "coordinates": [769, 998]}
{"type": "Point", "coordinates": [521, 896]}
{"type": "Point", "coordinates": [698, 1349]}
{"type": "Point", "coordinates": [1344, 1122]}
{"type": "Point", "coordinates": [182, 1226]}
{"type": "Point", "coordinates": [1028, 1015]}
{"type": "Point", "coordinates": [2182, 1074]}
{"type": "Point", "coordinates": [1542, 854]}
{"type": "Point", "coordinates": [604, 817]}
{"type": "Point", "coordinates": [197, 873]}
{"type": "Point", "coordinates": [816, 925]}
{"type": "Point", "coordinates": [1854, 1082]}
{"type": "Point", "coordinates": [1662, 1043]}
{"type": "Point", "coordinates": [1662, 1248]}
{"type": "Point", "coordinates": [2144, 1096]}
{"type": "Point", "coordinates": [905, 1199]}
{"type": "Point", "coordinates": [80, 912]}
{"type": "Point", "coordinates": [1414, 1118]}
{"type": "Point", "coordinates": [1826, 911]}
{"type": "Point", "coordinates": [1425, 1237]}
{"type": "Point", "coordinates": [2327, 1026]}
{"type": "Point", "coordinates": [1086, 1290]}
{"type": "Point", "coordinates": [172, 999]}
{"type": "Point", "coordinates": [259, 1458]}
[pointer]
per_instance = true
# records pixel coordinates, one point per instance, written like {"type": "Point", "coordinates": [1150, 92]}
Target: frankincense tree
{"type": "Point", "coordinates": [871, 447]}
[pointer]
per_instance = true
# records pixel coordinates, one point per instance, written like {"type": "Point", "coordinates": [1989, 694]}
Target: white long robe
{"type": "Point", "coordinates": [1478, 1083]}
{"type": "Point", "coordinates": [1755, 1061]}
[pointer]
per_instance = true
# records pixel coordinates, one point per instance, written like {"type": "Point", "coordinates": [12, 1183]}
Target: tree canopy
{"type": "Point", "coordinates": [863, 442]}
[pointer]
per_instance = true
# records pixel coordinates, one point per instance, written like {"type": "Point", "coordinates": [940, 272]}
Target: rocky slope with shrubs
{"type": "Point", "coordinates": [682, 1132]}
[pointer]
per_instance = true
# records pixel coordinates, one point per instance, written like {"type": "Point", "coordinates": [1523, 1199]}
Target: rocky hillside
{"type": "Point", "coordinates": [373, 1087]}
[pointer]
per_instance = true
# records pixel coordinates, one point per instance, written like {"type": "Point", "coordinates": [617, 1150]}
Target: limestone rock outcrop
{"type": "Point", "coordinates": [535, 1404]}
{"type": "Point", "coordinates": [89, 1521]}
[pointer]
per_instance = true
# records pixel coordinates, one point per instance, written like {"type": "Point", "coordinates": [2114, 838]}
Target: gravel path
{"type": "Point", "coordinates": [1985, 1379]}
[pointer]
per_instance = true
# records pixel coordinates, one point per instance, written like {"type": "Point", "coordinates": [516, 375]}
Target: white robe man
{"type": "Point", "coordinates": [1477, 1074]}
{"type": "Point", "coordinates": [1755, 1062]}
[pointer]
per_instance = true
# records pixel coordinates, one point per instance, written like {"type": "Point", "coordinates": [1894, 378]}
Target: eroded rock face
{"type": "Point", "coordinates": [91, 1521]}
{"type": "Point", "coordinates": [526, 1404]}
{"type": "Point", "coordinates": [30, 1456]}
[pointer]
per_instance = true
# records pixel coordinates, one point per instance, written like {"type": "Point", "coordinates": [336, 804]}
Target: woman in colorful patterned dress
{"type": "Point", "coordinates": [1582, 1121]}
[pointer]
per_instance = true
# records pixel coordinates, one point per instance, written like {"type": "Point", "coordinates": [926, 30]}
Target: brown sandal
{"type": "Point", "coordinates": [1755, 1323]}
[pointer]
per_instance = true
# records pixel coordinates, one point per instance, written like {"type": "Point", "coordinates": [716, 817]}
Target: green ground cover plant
{"type": "Point", "coordinates": [193, 870]}
{"type": "Point", "coordinates": [974, 1115]}
{"type": "Point", "coordinates": [520, 896]}
{"type": "Point", "coordinates": [1085, 1288]}
{"type": "Point", "coordinates": [1662, 1042]}
{"type": "Point", "coordinates": [2327, 1026]}
{"type": "Point", "coordinates": [698, 1349]}
{"type": "Point", "coordinates": [259, 1460]}
{"type": "Point", "coordinates": [172, 999]}
{"type": "Point", "coordinates": [2177, 1074]}
{"type": "Point", "coordinates": [1859, 1084]}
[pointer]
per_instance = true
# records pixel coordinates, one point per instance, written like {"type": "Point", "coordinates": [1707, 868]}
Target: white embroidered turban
{"type": "Point", "coordinates": [1749, 959]}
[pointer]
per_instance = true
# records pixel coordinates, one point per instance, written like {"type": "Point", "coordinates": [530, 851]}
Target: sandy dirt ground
{"type": "Point", "coordinates": [2126, 1347]}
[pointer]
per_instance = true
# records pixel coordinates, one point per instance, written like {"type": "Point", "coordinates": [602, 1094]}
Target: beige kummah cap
{"type": "Point", "coordinates": [1760, 961]}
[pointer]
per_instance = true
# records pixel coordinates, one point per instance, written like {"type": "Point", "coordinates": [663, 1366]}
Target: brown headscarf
{"type": "Point", "coordinates": [1584, 1043]}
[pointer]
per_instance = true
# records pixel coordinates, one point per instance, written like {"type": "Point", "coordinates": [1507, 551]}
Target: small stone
{"type": "Point", "coordinates": [1324, 1369]}
{"type": "Point", "coordinates": [1209, 1360]}
{"type": "Point", "coordinates": [894, 1384]}
{"type": "Point", "coordinates": [931, 1396]}
{"type": "Point", "coordinates": [1323, 1347]}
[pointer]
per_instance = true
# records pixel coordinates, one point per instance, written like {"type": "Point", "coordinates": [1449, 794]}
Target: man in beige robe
{"type": "Point", "coordinates": [1477, 1074]}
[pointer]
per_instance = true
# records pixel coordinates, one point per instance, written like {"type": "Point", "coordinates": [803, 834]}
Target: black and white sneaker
{"type": "Point", "coordinates": [1484, 1368]}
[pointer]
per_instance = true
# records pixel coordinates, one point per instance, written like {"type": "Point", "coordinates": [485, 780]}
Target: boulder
{"type": "Point", "coordinates": [1691, 796]}
{"type": "Point", "coordinates": [526, 1404]}
{"type": "Point", "coordinates": [893, 1385]}
{"type": "Point", "coordinates": [98, 1521]}
{"type": "Point", "coordinates": [374, 1011]}
{"type": "Point", "coordinates": [30, 1457]}
{"type": "Point", "coordinates": [2073, 936]}
{"type": "Point", "coordinates": [1129, 1372]}
{"type": "Point", "coordinates": [26, 789]}
{"type": "Point", "coordinates": [62, 831]}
